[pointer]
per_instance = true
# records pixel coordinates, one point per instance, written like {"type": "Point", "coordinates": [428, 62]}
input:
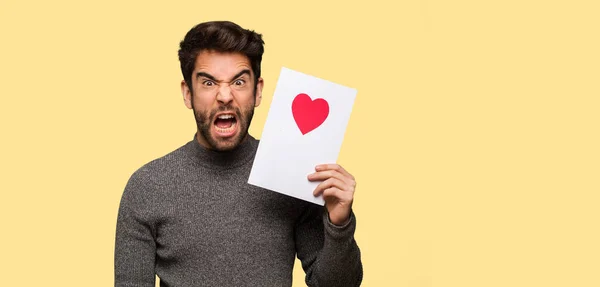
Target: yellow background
{"type": "Point", "coordinates": [474, 135]}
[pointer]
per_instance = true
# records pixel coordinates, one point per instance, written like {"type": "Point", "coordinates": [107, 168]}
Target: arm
{"type": "Point", "coordinates": [325, 236]}
{"type": "Point", "coordinates": [134, 246]}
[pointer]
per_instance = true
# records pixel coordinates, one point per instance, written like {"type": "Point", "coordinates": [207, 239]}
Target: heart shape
{"type": "Point", "coordinates": [309, 114]}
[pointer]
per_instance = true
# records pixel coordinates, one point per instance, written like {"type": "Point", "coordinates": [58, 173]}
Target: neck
{"type": "Point", "coordinates": [240, 154]}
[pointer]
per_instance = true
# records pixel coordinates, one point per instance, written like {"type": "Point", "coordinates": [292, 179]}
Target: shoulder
{"type": "Point", "coordinates": [162, 170]}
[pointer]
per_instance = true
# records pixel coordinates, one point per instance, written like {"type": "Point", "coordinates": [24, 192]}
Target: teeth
{"type": "Point", "coordinates": [224, 117]}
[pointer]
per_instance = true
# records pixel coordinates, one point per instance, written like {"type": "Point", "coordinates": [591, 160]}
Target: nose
{"type": "Point", "coordinates": [224, 96]}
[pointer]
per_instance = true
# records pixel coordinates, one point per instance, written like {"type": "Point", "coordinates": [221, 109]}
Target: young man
{"type": "Point", "coordinates": [191, 218]}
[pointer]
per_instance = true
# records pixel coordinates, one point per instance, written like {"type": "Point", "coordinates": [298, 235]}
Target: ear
{"type": "Point", "coordinates": [259, 87]}
{"type": "Point", "coordinates": [187, 94]}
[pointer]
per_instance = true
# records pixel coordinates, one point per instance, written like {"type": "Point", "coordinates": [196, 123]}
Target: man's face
{"type": "Point", "coordinates": [223, 98]}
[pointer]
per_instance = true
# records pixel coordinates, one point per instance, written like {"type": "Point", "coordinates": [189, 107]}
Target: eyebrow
{"type": "Point", "coordinates": [209, 76]}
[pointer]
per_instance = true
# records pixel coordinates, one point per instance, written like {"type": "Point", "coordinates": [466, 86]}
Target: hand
{"type": "Point", "coordinates": [338, 191]}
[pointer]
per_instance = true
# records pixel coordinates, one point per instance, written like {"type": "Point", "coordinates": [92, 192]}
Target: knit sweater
{"type": "Point", "coordinates": [191, 218]}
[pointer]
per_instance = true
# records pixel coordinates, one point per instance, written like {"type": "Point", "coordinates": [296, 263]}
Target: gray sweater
{"type": "Point", "coordinates": [191, 218]}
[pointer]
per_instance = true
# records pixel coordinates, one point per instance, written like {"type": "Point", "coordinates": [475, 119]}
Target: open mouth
{"type": "Point", "coordinates": [226, 125]}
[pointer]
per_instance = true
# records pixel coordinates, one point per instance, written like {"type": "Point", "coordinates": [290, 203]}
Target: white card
{"type": "Point", "coordinates": [305, 127]}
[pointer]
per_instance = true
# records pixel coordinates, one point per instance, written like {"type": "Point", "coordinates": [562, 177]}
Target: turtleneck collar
{"type": "Point", "coordinates": [223, 160]}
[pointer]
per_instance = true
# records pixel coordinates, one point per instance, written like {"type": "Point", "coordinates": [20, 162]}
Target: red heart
{"type": "Point", "coordinates": [309, 114]}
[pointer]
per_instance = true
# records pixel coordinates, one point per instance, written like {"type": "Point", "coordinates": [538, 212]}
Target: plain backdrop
{"type": "Point", "coordinates": [474, 135]}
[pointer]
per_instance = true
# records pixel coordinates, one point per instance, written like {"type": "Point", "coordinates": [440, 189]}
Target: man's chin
{"type": "Point", "coordinates": [227, 144]}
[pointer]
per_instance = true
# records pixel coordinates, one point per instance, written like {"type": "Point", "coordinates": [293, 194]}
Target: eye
{"type": "Point", "coordinates": [208, 83]}
{"type": "Point", "coordinates": [239, 82]}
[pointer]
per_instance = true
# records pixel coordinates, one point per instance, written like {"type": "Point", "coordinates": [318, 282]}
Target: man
{"type": "Point", "coordinates": [191, 218]}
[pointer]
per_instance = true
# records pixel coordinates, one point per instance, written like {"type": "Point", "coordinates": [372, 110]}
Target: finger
{"type": "Point", "coordinates": [332, 193]}
{"type": "Point", "coordinates": [329, 183]}
{"type": "Point", "coordinates": [337, 195]}
{"type": "Point", "coordinates": [336, 167]}
{"type": "Point", "coordinates": [324, 175]}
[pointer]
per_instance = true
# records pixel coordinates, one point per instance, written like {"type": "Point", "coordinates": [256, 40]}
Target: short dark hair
{"type": "Point", "coordinates": [219, 36]}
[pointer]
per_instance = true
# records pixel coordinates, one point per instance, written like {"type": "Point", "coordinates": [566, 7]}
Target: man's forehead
{"type": "Point", "coordinates": [221, 64]}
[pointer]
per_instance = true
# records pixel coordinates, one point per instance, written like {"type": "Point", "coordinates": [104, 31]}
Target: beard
{"type": "Point", "coordinates": [206, 119]}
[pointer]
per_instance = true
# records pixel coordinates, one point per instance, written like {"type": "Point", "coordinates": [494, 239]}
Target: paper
{"type": "Point", "coordinates": [305, 127]}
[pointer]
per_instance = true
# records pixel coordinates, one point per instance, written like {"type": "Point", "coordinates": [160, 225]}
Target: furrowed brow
{"type": "Point", "coordinates": [242, 72]}
{"type": "Point", "coordinates": [209, 76]}
{"type": "Point", "coordinates": [206, 75]}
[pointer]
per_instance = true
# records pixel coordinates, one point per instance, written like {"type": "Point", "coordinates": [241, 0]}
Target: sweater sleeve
{"type": "Point", "coordinates": [329, 254]}
{"type": "Point", "coordinates": [135, 247]}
